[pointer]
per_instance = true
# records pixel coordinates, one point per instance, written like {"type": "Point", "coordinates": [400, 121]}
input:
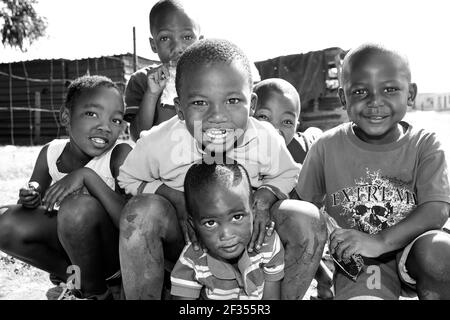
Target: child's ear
{"type": "Point", "coordinates": [153, 44]}
{"type": "Point", "coordinates": [342, 97]}
{"type": "Point", "coordinates": [412, 93]}
{"type": "Point", "coordinates": [64, 116]}
{"type": "Point", "coordinates": [253, 103]}
{"type": "Point", "coordinates": [176, 102]}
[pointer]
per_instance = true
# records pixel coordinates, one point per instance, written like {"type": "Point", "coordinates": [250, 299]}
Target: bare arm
{"type": "Point", "coordinates": [427, 216]}
{"type": "Point", "coordinates": [272, 290]}
{"type": "Point", "coordinates": [144, 118]}
{"type": "Point", "coordinates": [32, 198]}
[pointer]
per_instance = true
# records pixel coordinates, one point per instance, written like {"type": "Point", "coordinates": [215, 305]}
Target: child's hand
{"type": "Point", "coordinates": [157, 79]}
{"type": "Point", "coordinates": [262, 225]}
{"type": "Point", "coordinates": [30, 196]}
{"type": "Point", "coordinates": [346, 242]}
{"type": "Point", "coordinates": [56, 193]}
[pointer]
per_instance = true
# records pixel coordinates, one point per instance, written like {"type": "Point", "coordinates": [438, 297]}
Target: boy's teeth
{"type": "Point", "coordinates": [215, 134]}
{"type": "Point", "coordinates": [98, 140]}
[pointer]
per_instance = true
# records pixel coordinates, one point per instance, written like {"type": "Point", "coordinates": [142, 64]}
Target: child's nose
{"type": "Point", "coordinates": [217, 114]}
{"type": "Point", "coordinates": [104, 126]}
{"type": "Point", "coordinates": [375, 100]}
{"type": "Point", "coordinates": [226, 233]}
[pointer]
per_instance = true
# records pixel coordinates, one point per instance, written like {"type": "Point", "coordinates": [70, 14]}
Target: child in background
{"type": "Point", "coordinates": [385, 183]}
{"type": "Point", "coordinates": [149, 93]}
{"type": "Point", "coordinates": [279, 104]}
{"type": "Point", "coordinates": [215, 100]}
{"type": "Point", "coordinates": [219, 206]}
{"type": "Point", "coordinates": [78, 176]}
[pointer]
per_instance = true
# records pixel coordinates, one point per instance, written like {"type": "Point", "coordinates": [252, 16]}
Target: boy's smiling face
{"type": "Point", "coordinates": [172, 33]}
{"type": "Point", "coordinates": [281, 110]}
{"type": "Point", "coordinates": [376, 92]}
{"type": "Point", "coordinates": [215, 100]}
{"type": "Point", "coordinates": [224, 220]}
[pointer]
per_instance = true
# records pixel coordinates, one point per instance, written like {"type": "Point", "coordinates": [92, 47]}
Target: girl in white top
{"type": "Point", "coordinates": [66, 220]}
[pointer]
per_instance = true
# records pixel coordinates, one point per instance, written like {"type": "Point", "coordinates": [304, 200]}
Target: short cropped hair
{"type": "Point", "coordinates": [160, 7]}
{"type": "Point", "coordinates": [278, 85]}
{"type": "Point", "coordinates": [211, 51]}
{"type": "Point", "coordinates": [372, 48]}
{"type": "Point", "coordinates": [202, 176]}
{"type": "Point", "coordinates": [87, 84]}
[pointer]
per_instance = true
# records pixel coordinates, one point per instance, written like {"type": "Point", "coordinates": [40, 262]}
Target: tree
{"type": "Point", "coordinates": [20, 24]}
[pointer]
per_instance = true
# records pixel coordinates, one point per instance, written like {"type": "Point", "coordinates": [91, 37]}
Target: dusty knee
{"type": "Point", "coordinates": [79, 213]}
{"type": "Point", "coordinates": [300, 223]}
{"type": "Point", "coordinates": [299, 217]}
{"type": "Point", "coordinates": [144, 214]}
{"type": "Point", "coordinates": [430, 257]}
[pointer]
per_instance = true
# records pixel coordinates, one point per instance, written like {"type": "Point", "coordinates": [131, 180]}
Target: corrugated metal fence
{"type": "Point", "coordinates": [32, 93]}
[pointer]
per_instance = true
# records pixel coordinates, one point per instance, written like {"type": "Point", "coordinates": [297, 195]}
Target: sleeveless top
{"type": "Point", "coordinates": [100, 164]}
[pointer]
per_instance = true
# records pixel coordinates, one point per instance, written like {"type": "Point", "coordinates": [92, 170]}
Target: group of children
{"type": "Point", "coordinates": [223, 194]}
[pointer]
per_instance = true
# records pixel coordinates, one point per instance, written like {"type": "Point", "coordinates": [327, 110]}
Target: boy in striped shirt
{"type": "Point", "coordinates": [218, 200]}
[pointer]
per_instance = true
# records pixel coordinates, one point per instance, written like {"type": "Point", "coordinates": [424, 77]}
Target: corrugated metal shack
{"type": "Point", "coordinates": [315, 76]}
{"type": "Point", "coordinates": [32, 92]}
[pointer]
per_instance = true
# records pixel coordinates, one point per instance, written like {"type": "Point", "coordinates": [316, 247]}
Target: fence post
{"type": "Point", "coordinates": [11, 110]}
{"type": "Point", "coordinates": [37, 118]}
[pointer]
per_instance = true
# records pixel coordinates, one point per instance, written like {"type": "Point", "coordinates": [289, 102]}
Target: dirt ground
{"type": "Point", "coordinates": [20, 281]}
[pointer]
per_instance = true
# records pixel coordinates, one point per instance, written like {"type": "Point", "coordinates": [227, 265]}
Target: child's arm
{"type": "Point", "coordinates": [111, 200]}
{"type": "Point", "coordinates": [144, 118]}
{"type": "Point", "coordinates": [272, 290]}
{"type": "Point", "coordinates": [433, 195]}
{"type": "Point", "coordinates": [427, 216]}
{"type": "Point", "coordinates": [273, 268]}
{"type": "Point", "coordinates": [31, 198]}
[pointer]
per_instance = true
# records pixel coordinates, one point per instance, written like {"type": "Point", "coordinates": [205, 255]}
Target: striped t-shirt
{"type": "Point", "coordinates": [198, 274]}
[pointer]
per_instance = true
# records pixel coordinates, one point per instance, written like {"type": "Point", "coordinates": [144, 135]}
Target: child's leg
{"type": "Point", "coordinates": [428, 263]}
{"type": "Point", "coordinates": [30, 235]}
{"type": "Point", "coordinates": [149, 234]}
{"type": "Point", "coordinates": [90, 240]}
{"type": "Point", "coordinates": [302, 230]}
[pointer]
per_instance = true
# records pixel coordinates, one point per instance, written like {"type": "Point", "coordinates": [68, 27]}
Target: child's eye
{"type": "Point", "coordinates": [188, 38]}
{"type": "Point", "coordinates": [238, 217]}
{"type": "Point", "coordinates": [164, 38]}
{"type": "Point", "coordinates": [391, 89]}
{"type": "Point", "coordinates": [233, 101]}
{"type": "Point", "coordinates": [199, 103]}
{"type": "Point", "coordinates": [262, 117]}
{"type": "Point", "coordinates": [117, 121]}
{"type": "Point", "coordinates": [90, 114]}
{"type": "Point", "coordinates": [210, 224]}
{"type": "Point", "coordinates": [359, 92]}
{"type": "Point", "coordinates": [288, 123]}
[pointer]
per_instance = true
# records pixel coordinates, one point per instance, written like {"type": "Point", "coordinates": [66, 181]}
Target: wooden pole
{"type": "Point", "coordinates": [37, 117]}
{"type": "Point", "coordinates": [135, 62]}
{"type": "Point", "coordinates": [11, 111]}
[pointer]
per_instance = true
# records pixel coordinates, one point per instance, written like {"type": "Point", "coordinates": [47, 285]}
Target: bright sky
{"type": "Point", "coordinates": [263, 28]}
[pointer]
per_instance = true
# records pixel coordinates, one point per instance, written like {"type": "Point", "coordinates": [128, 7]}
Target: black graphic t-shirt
{"type": "Point", "coordinates": [372, 187]}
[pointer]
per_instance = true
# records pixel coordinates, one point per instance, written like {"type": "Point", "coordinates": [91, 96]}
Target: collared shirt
{"type": "Point", "coordinates": [198, 274]}
{"type": "Point", "coordinates": [164, 154]}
